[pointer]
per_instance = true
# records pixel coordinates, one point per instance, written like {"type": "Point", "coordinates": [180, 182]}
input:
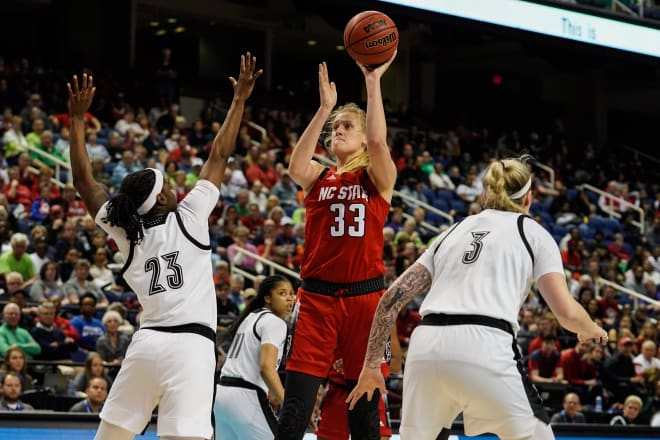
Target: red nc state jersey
{"type": "Point", "coordinates": [344, 230]}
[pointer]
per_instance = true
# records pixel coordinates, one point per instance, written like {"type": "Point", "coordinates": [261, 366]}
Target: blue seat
{"type": "Point", "coordinates": [612, 225]}
{"type": "Point", "coordinates": [571, 194]}
{"type": "Point", "coordinates": [429, 194]}
{"type": "Point", "coordinates": [559, 230]}
{"type": "Point", "coordinates": [459, 206]}
{"type": "Point", "coordinates": [597, 222]}
{"type": "Point", "coordinates": [440, 204]}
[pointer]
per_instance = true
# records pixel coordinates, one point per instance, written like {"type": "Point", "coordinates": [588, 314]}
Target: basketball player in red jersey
{"type": "Point", "coordinates": [342, 271]}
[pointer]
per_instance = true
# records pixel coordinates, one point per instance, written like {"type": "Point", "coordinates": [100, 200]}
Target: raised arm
{"type": "Point", "coordinates": [80, 98]}
{"type": "Point", "coordinates": [414, 281]}
{"type": "Point", "coordinates": [303, 170]}
{"type": "Point", "coordinates": [381, 166]}
{"type": "Point", "coordinates": [225, 141]}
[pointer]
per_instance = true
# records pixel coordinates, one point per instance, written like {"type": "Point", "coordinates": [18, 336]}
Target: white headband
{"type": "Point", "coordinates": [151, 200]}
{"type": "Point", "coordinates": [522, 190]}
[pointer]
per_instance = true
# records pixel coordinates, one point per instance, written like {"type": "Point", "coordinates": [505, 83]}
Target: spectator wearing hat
{"type": "Point", "coordinates": [286, 238]}
{"type": "Point", "coordinates": [619, 374]}
{"type": "Point", "coordinates": [196, 166]}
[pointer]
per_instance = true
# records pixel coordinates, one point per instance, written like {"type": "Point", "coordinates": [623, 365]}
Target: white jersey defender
{"type": "Point", "coordinates": [175, 290]}
{"type": "Point", "coordinates": [481, 267]}
{"type": "Point", "coordinates": [242, 410]}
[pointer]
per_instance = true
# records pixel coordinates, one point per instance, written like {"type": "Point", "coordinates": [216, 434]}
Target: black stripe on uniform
{"type": "Point", "coordinates": [533, 397]}
{"type": "Point", "coordinates": [205, 247]}
{"type": "Point", "coordinates": [446, 235]}
{"type": "Point", "coordinates": [521, 231]}
{"type": "Point", "coordinates": [254, 327]}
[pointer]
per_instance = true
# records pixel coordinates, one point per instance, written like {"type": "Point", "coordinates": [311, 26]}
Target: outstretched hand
{"type": "Point", "coordinates": [376, 72]}
{"type": "Point", "coordinates": [370, 380]}
{"type": "Point", "coordinates": [80, 98]}
{"type": "Point", "coordinates": [246, 78]}
{"type": "Point", "coordinates": [327, 89]}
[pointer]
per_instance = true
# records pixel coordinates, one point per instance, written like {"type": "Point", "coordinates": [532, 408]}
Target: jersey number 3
{"type": "Point", "coordinates": [174, 279]}
{"type": "Point", "coordinates": [471, 256]}
{"type": "Point", "coordinates": [340, 227]}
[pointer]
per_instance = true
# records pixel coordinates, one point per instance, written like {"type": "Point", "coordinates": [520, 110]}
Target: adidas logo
{"type": "Point", "coordinates": [332, 177]}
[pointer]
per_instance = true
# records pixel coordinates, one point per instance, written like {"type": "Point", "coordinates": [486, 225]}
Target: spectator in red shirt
{"type": "Point", "coordinates": [262, 171]}
{"type": "Point", "coordinates": [253, 220]}
{"type": "Point", "coordinates": [609, 307]}
{"type": "Point", "coordinates": [544, 364]}
{"type": "Point", "coordinates": [546, 327]}
{"type": "Point", "coordinates": [60, 321]}
{"type": "Point", "coordinates": [578, 370]}
{"type": "Point", "coordinates": [617, 247]}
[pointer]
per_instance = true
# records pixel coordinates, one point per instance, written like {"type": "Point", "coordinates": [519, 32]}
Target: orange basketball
{"type": "Point", "coordinates": [371, 38]}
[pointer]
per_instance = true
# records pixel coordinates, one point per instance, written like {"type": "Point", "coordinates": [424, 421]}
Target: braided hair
{"type": "Point", "coordinates": [122, 208]}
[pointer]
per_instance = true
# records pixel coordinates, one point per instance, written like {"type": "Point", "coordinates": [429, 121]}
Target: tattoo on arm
{"type": "Point", "coordinates": [415, 280]}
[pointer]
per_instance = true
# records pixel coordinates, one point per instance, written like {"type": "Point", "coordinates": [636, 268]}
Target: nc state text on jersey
{"type": "Point", "coordinates": [351, 192]}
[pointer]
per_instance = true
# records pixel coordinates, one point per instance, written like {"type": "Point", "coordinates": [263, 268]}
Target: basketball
{"type": "Point", "coordinates": [371, 38]}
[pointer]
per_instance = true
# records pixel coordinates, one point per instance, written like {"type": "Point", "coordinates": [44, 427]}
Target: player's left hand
{"type": "Point", "coordinates": [80, 97]}
{"type": "Point", "coordinates": [370, 380]}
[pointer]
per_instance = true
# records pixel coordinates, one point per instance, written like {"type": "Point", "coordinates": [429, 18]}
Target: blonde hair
{"type": "Point", "coordinates": [361, 160]}
{"type": "Point", "coordinates": [503, 178]}
{"type": "Point", "coordinates": [633, 399]}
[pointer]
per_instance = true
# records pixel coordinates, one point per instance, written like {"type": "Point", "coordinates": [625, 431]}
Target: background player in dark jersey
{"type": "Point", "coordinates": [342, 270]}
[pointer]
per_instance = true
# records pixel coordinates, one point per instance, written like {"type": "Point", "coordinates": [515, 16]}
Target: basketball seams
{"type": "Point", "coordinates": [370, 36]}
{"type": "Point", "coordinates": [376, 30]}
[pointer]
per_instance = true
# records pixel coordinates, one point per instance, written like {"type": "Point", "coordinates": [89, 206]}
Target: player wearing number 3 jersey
{"type": "Point", "coordinates": [342, 271]}
{"type": "Point", "coordinates": [171, 359]}
{"type": "Point", "coordinates": [463, 357]}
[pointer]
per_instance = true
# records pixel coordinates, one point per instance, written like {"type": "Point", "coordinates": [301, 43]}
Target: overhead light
{"type": "Point", "coordinates": [161, 32]}
{"type": "Point", "coordinates": [179, 29]}
{"type": "Point", "coordinates": [340, 47]}
{"type": "Point", "coordinates": [171, 20]}
{"type": "Point", "coordinates": [154, 23]}
{"type": "Point", "coordinates": [311, 42]}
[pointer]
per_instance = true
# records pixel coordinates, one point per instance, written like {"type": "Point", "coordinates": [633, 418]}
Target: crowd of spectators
{"type": "Point", "coordinates": [66, 301]}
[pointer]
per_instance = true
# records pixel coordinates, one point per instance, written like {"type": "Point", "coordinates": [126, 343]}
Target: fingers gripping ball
{"type": "Point", "coordinates": [371, 38]}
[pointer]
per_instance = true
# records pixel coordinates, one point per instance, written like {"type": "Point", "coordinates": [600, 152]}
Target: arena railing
{"type": "Point", "coordinates": [547, 169]}
{"type": "Point", "coordinates": [636, 295]}
{"type": "Point", "coordinates": [273, 267]}
{"type": "Point", "coordinates": [622, 202]}
{"type": "Point", "coordinates": [59, 165]}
